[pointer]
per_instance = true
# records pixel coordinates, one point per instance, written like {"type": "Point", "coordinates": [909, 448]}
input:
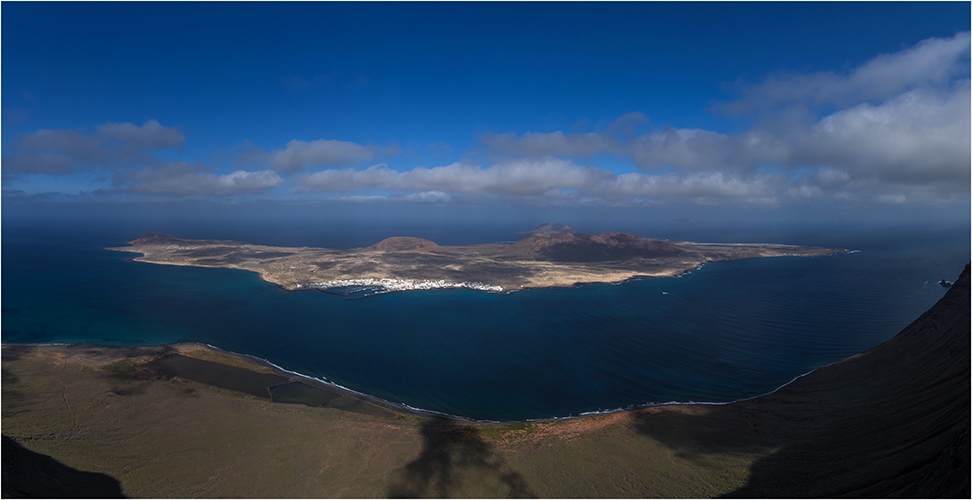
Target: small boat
{"type": "Point", "coordinates": [945, 283]}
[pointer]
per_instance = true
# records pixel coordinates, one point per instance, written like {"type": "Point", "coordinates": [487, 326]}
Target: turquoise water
{"type": "Point", "coordinates": [728, 331]}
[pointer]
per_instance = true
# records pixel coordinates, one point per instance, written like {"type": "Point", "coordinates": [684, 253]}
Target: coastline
{"type": "Point", "coordinates": [412, 284]}
{"type": "Point", "coordinates": [401, 407]}
{"type": "Point", "coordinates": [889, 422]}
{"type": "Point", "coordinates": [404, 263]}
{"type": "Point", "coordinates": [191, 426]}
{"type": "Point", "coordinates": [95, 355]}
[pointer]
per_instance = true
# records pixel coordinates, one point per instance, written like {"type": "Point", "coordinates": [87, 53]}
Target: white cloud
{"type": "Point", "coordinates": [903, 123]}
{"type": "Point", "coordinates": [150, 134]}
{"type": "Point", "coordinates": [561, 181]}
{"type": "Point", "coordinates": [894, 199]}
{"type": "Point", "coordinates": [934, 62]}
{"type": "Point", "coordinates": [894, 130]}
{"type": "Point", "coordinates": [428, 197]}
{"type": "Point", "coordinates": [693, 149]}
{"type": "Point", "coordinates": [299, 154]}
{"type": "Point", "coordinates": [553, 143]}
{"type": "Point", "coordinates": [248, 181]}
{"type": "Point", "coordinates": [183, 179]}
{"type": "Point", "coordinates": [364, 199]}
{"type": "Point", "coordinates": [345, 180]}
{"type": "Point", "coordinates": [549, 178]}
{"type": "Point", "coordinates": [919, 137]}
{"type": "Point", "coordinates": [699, 187]}
{"type": "Point", "coordinates": [571, 144]}
{"type": "Point", "coordinates": [112, 146]}
{"type": "Point", "coordinates": [526, 178]}
{"type": "Point", "coordinates": [533, 177]}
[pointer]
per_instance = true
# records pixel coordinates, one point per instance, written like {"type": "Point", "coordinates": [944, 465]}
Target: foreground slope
{"type": "Point", "coordinates": [890, 422]}
{"type": "Point", "coordinates": [893, 421]}
{"type": "Point", "coordinates": [92, 421]}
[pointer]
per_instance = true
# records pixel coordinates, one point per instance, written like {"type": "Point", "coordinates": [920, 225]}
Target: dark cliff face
{"type": "Point", "coordinates": [892, 422]}
{"type": "Point", "coordinates": [578, 247]}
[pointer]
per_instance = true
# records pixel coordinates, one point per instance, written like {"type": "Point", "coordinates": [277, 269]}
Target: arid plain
{"type": "Point", "coordinates": [539, 260]}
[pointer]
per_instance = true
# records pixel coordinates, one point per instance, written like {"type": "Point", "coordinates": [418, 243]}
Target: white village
{"type": "Point", "coordinates": [396, 285]}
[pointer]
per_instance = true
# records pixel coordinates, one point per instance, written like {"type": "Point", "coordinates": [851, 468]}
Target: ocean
{"type": "Point", "coordinates": [725, 332]}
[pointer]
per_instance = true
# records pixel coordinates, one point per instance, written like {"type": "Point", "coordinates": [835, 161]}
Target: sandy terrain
{"type": "Point", "coordinates": [550, 260]}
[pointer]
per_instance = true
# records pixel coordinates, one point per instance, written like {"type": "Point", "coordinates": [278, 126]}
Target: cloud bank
{"type": "Point", "coordinates": [514, 178]}
{"type": "Point", "coordinates": [300, 154]}
{"type": "Point", "coordinates": [67, 151]}
{"type": "Point", "coordinates": [893, 130]}
{"type": "Point", "coordinates": [932, 63]}
{"type": "Point", "coordinates": [560, 180]}
{"type": "Point", "coordinates": [184, 179]}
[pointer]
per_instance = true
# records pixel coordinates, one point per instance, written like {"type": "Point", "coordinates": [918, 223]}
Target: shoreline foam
{"type": "Point", "coordinates": [413, 410]}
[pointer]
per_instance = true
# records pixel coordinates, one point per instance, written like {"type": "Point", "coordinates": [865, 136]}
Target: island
{"type": "Point", "coordinates": [542, 259]}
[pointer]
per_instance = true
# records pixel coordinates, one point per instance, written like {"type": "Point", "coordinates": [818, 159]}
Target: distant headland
{"type": "Point", "coordinates": [549, 228]}
{"type": "Point", "coordinates": [542, 259]}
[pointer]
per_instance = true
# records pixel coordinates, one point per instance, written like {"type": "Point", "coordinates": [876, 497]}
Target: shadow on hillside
{"type": "Point", "coordinates": [892, 422]}
{"type": "Point", "coordinates": [27, 474]}
{"type": "Point", "coordinates": [456, 462]}
{"type": "Point", "coordinates": [709, 430]}
{"type": "Point", "coordinates": [10, 394]}
{"type": "Point", "coordinates": [896, 444]}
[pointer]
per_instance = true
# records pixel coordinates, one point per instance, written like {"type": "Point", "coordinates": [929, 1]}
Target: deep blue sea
{"type": "Point", "coordinates": [728, 331]}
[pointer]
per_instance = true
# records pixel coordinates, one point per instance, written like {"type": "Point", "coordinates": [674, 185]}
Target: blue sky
{"type": "Point", "coordinates": [706, 109]}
